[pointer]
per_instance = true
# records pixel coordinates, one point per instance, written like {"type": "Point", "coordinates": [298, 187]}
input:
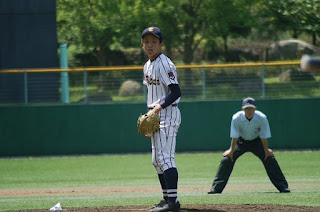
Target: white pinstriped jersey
{"type": "Point", "coordinates": [157, 75]}
{"type": "Point", "coordinates": [258, 126]}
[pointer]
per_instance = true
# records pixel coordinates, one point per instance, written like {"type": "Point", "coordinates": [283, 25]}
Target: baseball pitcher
{"type": "Point", "coordinates": [160, 77]}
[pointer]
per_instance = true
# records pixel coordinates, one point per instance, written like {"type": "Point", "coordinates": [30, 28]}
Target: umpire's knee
{"type": "Point", "coordinates": [226, 161]}
{"type": "Point", "coordinates": [270, 160]}
{"type": "Point", "coordinates": [271, 163]}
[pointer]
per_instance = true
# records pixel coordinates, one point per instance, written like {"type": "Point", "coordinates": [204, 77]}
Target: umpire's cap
{"type": "Point", "coordinates": [248, 102]}
{"type": "Point", "coordinates": [152, 30]}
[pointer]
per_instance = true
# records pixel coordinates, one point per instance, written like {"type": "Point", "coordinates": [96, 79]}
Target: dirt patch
{"type": "Point", "coordinates": [38, 192]}
{"type": "Point", "coordinates": [184, 208]}
{"type": "Point", "coordinates": [189, 208]}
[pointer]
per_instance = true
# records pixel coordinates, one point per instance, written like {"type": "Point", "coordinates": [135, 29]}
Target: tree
{"type": "Point", "coordinates": [180, 22]}
{"type": "Point", "coordinates": [297, 16]}
{"type": "Point", "coordinates": [88, 26]}
{"type": "Point", "coordinates": [185, 23]}
{"type": "Point", "coordinates": [311, 17]}
{"type": "Point", "coordinates": [96, 26]}
{"type": "Point", "coordinates": [230, 18]}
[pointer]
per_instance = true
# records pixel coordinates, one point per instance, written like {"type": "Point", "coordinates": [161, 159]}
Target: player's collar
{"type": "Point", "coordinates": [156, 57]}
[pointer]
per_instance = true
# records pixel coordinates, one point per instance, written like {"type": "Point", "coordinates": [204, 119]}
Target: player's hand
{"type": "Point", "coordinates": [268, 153]}
{"type": "Point", "coordinates": [149, 135]}
{"type": "Point", "coordinates": [228, 153]}
{"type": "Point", "coordinates": [157, 108]}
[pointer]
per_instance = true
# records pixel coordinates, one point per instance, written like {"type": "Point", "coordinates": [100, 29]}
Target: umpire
{"type": "Point", "coordinates": [249, 132]}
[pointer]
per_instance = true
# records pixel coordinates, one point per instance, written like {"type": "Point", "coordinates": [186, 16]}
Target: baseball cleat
{"type": "Point", "coordinates": [212, 191]}
{"type": "Point", "coordinates": [160, 204]}
{"type": "Point", "coordinates": [168, 206]}
{"type": "Point", "coordinates": [285, 190]}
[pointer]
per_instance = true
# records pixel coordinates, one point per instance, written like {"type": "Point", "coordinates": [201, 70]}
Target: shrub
{"type": "Point", "coordinates": [130, 88]}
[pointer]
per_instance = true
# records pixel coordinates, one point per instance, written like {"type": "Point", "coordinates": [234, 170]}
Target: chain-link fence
{"type": "Point", "coordinates": [124, 84]}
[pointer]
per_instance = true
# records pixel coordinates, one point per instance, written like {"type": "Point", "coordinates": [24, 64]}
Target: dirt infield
{"type": "Point", "coordinates": [184, 208]}
{"type": "Point", "coordinates": [189, 208]}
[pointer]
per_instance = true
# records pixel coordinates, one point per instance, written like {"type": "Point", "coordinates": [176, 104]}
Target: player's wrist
{"type": "Point", "coordinates": [157, 108]}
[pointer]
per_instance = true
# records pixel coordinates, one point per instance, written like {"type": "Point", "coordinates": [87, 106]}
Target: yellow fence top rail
{"type": "Point", "coordinates": [128, 68]}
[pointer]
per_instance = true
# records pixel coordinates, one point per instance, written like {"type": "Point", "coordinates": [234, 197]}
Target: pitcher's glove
{"type": "Point", "coordinates": [148, 123]}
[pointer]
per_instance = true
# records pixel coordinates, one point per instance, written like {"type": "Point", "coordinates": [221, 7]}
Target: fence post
{"type": "Point", "coordinates": [85, 85]}
{"type": "Point", "coordinates": [203, 83]}
{"type": "Point", "coordinates": [64, 76]}
{"type": "Point", "coordinates": [25, 86]}
{"type": "Point", "coordinates": [263, 90]}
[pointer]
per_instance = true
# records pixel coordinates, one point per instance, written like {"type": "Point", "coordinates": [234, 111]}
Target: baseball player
{"type": "Point", "coordinates": [160, 77]}
{"type": "Point", "coordinates": [249, 132]}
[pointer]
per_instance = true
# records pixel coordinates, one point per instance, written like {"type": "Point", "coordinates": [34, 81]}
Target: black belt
{"type": "Point", "coordinates": [242, 141]}
{"type": "Point", "coordinates": [173, 105]}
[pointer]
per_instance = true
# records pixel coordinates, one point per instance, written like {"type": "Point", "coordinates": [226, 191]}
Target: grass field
{"type": "Point", "coordinates": [114, 180]}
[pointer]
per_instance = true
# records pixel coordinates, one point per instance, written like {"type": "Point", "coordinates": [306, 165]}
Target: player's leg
{"type": "Point", "coordinates": [164, 191]}
{"type": "Point", "coordinates": [157, 165]}
{"type": "Point", "coordinates": [275, 174]}
{"type": "Point", "coordinates": [272, 168]}
{"type": "Point", "coordinates": [224, 171]}
{"type": "Point", "coordinates": [164, 159]}
{"type": "Point", "coordinates": [171, 178]}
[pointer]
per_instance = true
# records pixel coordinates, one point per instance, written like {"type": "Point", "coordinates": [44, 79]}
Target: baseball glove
{"type": "Point", "coordinates": [148, 123]}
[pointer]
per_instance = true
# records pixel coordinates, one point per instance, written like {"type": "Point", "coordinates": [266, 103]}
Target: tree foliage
{"type": "Point", "coordinates": [98, 28]}
{"type": "Point", "coordinates": [89, 25]}
{"type": "Point", "coordinates": [297, 16]}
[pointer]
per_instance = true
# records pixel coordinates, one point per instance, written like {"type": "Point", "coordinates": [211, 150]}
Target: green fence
{"type": "Point", "coordinates": [27, 130]}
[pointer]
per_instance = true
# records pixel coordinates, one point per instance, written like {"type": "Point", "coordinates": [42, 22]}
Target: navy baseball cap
{"type": "Point", "coordinates": [152, 30]}
{"type": "Point", "coordinates": [248, 102]}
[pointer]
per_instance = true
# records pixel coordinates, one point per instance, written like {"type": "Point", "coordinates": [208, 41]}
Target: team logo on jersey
{"type": "Point", "coordinates": [151, 81]}
{"type": "Point", "coordinates": [171, 75]}
{"type": "Point", "coordinates": [257, 130]}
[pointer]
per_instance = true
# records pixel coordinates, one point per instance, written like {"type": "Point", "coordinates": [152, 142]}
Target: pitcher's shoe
{"type": "Point", "coordinates": [160, 204]}
{"type": "Point", "coordinates": [168, 206]}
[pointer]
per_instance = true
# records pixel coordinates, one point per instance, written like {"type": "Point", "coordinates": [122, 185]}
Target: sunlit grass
{"type": "Point", "coordinates": [94, 175]}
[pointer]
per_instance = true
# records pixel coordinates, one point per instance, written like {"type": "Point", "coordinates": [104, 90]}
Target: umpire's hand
{"type": "Point", "coordinates": [228, 153]}
{"type": "Point", "coordinates": [268, 153]}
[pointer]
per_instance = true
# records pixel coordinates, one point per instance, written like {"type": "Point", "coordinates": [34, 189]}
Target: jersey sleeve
{"type": "Point", "coordinates": [234, 129]}
{"type": "Point", "coordinates": [168, 72]}
{"type": "Point", "coordinates": [265, 128]}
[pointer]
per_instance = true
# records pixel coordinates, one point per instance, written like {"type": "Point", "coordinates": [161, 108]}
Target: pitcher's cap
{"type": "Point", "coordinates": [152, 30]}
{"type": "Point", "coordinates": [248, 102]}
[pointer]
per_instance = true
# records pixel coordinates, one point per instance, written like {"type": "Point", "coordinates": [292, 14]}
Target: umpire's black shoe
{"type": "Point", "coordinates": [285, 190]}
{"type": "Point", "coordinates": [169, 206]}
{"type": "Point", "coordinates": [212, 191]}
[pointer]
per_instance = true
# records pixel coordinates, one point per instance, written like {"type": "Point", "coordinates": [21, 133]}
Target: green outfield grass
{"type": "Point", "coordinates": [114, 180]}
